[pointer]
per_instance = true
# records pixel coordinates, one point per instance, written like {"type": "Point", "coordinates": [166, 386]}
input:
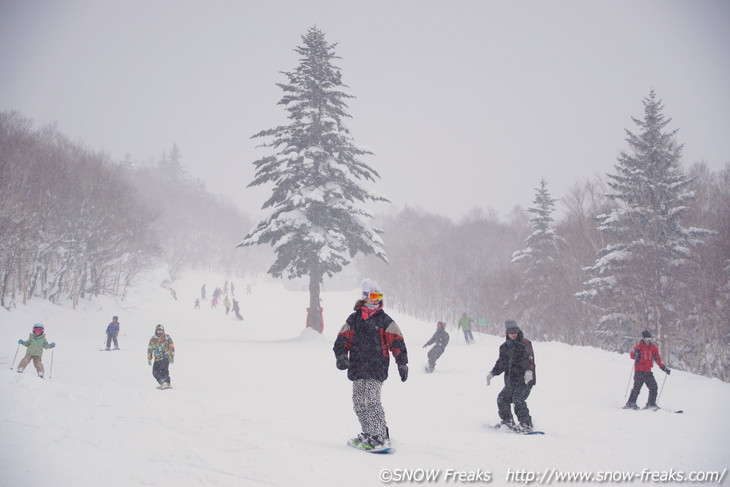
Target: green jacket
{"type": "Point", "coordinates": [36, 344]}
{"type": "Point", "coordinates": [465, 323]}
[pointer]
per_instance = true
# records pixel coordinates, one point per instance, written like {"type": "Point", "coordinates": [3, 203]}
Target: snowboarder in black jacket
{"type": "Point", "coordinates": [440, 339]}
{"type": "Point", "coordinates": [517, 361]}
{"type": "Point", "coordinates": [363, 347]}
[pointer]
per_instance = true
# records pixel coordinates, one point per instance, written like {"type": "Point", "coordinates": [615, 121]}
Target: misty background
{"type": "Point", "coordinates": [125, 144]}
{"type": "Point", "coordinates": [465, 104]}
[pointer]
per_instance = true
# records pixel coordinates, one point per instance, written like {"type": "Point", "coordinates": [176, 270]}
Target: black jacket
{"type": "Point", "coordinates": [369, 344]}
{"type": "Point", "coordinates": [515, 358]}
{"type": "Point", "coordinates": [440, 338]}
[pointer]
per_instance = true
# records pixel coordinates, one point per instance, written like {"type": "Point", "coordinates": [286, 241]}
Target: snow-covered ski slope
{"type": "Point", "coordinates": [259, 402]}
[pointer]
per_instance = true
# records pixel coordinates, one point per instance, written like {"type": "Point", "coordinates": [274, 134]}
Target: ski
{"type": "Point", "coordinates": [677, 411]}
{"type": "Point", "coordinates": [654, 409]}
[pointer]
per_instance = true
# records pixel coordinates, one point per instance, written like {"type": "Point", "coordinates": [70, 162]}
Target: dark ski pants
{"type": "Point", "coordinates": [516, 395]}
{"type": "Point", "coordinates": [368, 408]}
{"type": "Point", "coordinates": [468, 336]}
{"type": "Point", "coordinates": [641, 378]}
{"type": "Point", "coordinates": [161, 370]}
{"type": "Point", "coordinates": [109, 338]}
{"type": "Point", "coordinates": [433, 356]}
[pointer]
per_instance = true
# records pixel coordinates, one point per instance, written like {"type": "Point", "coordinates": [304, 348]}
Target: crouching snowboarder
{"type": "Point", "coordinates": [439, 340]}
{"type": "Point", "coordinates": [363, 347]}
{"type": "Point", "coordinates": [162, 350]}
{"type": "Point", "coordinates": [35, 343]}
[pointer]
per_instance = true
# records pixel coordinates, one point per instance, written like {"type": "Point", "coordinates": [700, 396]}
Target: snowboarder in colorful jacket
{"type": "Point", "coordinates": [36, 343]}
{"type": "Point", "coordinates": [644, 354]}
{"type": "Point", "coordinates": [439, 340]}
{"type": "Point", "coordinates": [517, 362]}
{"type": "Point", "coordinates": [112, 331]}
{"type": "Point", "coordinates": [363, 347]}
{"type": "Point", "coordinates": [162, 350]}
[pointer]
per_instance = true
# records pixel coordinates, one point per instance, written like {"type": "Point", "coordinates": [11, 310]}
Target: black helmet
{"type": "Point", "coordinates": [646, 334]}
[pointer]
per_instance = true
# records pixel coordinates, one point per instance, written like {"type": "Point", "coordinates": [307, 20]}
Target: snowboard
{"type": "Point", "coordinates": [498, 426]}
{"type": "Point", "coordinates": [384, 451]}
{"type": "Point", "coordinates": [109, 349]}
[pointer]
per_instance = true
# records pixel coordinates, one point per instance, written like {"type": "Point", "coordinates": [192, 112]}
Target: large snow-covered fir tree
{"type": "Point", "coordinates": [318, 220]}
{"type": "Point", "coordinates": [542, 278]}
{"type": "Point", "coordinates": [639, 272]}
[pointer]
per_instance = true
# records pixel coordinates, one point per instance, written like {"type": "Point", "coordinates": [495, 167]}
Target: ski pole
{"type": "Point", "coordinates": [50, 373]}
{"type": "Point", "coordinates": [631, 373]}
{"type": "Point", "coordinates": [16, 356]}
{"type": "Point", "coordinates": [662, 388]}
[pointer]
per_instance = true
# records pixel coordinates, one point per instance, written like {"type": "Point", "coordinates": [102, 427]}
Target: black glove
{"type": "Point", "coordinates": [666, 369]}
{"type": "Point", "coordinates": [425, 345]}
{"type": "Point", "coordinates": [637, 355]}
{"type": "Point", "coordinates": [403, 371]}
{"type": "Point", "coordinates": [343, 362]}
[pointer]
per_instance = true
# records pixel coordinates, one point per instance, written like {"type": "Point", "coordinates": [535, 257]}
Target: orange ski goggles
{"type": "Point", "coordinates": [375, 296]}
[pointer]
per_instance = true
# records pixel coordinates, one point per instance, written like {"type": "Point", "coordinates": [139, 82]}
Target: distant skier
{"type": "Point", "coordinates": [440, 339]}
{"type": "Point", "coordinates": [202, 292]}
{"type": "Point", "coordinates": [162, 350]}
{"type": "Point", "coordinates": [236, 309]}
{"type": "Point", "coordinates": [112, 331]}
{"type": "Point", "coordinates": [644, 355]}
{"type": "Point", "coordinates": [517, 361]}
{"type": "Point", "coordinates": [465, 323]}
{"type": "Point", "coordinates": [363, 347]}
{"type": "Point", "coordinates": [197, 304]}
{"type": "Point", "coordinates": [227, 304]}
{"type": "Point", "coordinates": [35, 343]}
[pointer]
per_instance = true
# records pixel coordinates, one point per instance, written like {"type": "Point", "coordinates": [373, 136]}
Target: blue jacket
{"type": "Point", "coordinates": [113, 328]}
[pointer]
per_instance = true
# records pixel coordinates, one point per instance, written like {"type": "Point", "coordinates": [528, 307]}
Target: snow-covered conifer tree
{"type": "Point", "coordinates": [636, 274]}
{"type": "Point", "coordinates": [318, 220]}
{"type": "Point", "coordinates": [540, 260]}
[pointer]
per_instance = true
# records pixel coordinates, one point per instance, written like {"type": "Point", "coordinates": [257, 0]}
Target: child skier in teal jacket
{"type": "Point", "coordinates": [36, 343]}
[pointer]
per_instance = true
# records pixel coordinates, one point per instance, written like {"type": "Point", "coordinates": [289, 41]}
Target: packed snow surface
{"type": "Point", "coordinates": [260, 402]}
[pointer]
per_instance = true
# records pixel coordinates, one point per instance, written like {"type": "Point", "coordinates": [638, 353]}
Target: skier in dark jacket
{"type": "Point", "coordinates": [440, 339]}
{"type": "Point", "coordinates": [644, 355]}
{"type": "Point", "coordinates": [112, 331]}
{"type": "Point", "coordinates": [517, 361]}
{"type": "Point", "coordinates": [363, 347]}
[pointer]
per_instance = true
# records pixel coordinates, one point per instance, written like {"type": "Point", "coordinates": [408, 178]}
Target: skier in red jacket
{"type": "Point", "coordinates": [644, 354]}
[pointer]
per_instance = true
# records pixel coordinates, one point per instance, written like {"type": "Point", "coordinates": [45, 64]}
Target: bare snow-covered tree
{"type": "Point", "coordinates": [318, 221]}
{"type": "Point", "coordinates": [635, 279]}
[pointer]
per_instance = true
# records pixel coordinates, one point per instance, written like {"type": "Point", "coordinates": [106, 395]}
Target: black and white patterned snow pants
{"type": "Point", "coordinates": [369, 410]}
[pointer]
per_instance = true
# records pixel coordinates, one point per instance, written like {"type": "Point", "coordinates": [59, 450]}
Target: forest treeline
{"type": "Point", "coordinates": [439, 269]}
{"type": "Point", "coordinates": [76, 224]}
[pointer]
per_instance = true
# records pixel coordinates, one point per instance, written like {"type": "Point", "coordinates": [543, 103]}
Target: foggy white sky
{"type": "Point", "coordinates": [465, 103]}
